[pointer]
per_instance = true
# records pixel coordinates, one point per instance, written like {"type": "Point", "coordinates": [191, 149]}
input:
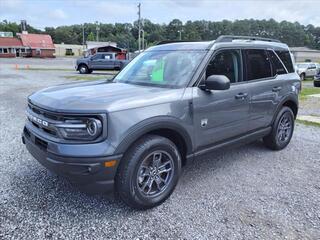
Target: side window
{"type": "Point", "coordinates": [107, 56]}
{"type": "Point", "coordinates": [277, 66]}
{"type": "Point", "coordinates": [312, 66]}
{"type": "Point", "coordinates": [258, 64]}
{"type": "Point", "coordinates": [97, 56]}
{"type": "Point", "coordinates": [228, 63]}
{"type": "Point", "coordinates": [286, 59]}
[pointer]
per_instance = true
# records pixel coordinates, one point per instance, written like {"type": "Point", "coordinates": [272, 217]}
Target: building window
{"type": "Point", "coordinates": [5, 50]}
{"type": "Point", "coordinates": [69, 52]}
{"type": "Point", "coordinates": [1, 51]}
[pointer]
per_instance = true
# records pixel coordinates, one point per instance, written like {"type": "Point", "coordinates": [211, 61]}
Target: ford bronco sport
{"type": "Point", "coordinates": [172, 103]}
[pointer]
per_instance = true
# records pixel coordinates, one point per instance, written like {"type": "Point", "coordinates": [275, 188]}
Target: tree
{"type": "Point", "coordinates": [90, 37]}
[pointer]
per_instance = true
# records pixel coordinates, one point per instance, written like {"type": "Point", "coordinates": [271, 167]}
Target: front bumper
{"type": "Point", "coordinates": [90, 174]}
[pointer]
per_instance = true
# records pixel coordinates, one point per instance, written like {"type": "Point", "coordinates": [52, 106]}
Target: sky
{"type": "Point", "coordinates": [53, 13]}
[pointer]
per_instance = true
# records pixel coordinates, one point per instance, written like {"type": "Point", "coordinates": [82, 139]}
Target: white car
{"type": "Point", "coordinates": [307, 69]}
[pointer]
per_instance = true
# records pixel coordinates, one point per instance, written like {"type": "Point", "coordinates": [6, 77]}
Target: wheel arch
{"type": "Point", "coordinates": [289, 101]}
{"type": "Point", "coordinates": [80, 64]}
{"type": "Point", "coordinates": [165, 127]}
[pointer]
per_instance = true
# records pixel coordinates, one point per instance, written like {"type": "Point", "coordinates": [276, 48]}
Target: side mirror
{"type": "Point", "coordinates": [217, 82]}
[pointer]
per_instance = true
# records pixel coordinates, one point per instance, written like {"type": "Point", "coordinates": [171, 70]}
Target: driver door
{"type": "Point", "coordinates": [220, 115]}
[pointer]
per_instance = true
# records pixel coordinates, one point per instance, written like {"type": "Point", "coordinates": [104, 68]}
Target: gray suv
{"type": "Point", "coordinates": [172, 103]}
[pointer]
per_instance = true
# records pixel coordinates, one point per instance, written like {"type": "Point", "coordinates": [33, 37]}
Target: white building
{"type": "Point", "coordinates": [304, 54]}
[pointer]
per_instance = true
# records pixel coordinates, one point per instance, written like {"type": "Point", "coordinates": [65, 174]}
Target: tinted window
{"type": "Point", "coordinates": [228, 63]}
{"type": "Point", "coordinates": [257, 64]}
{"type": "Point", "coordinates": [277, 66]}
{"type": "Point", "coordinates": [97, 56]}
{"type": "Point", "coordinates": [286, 59]}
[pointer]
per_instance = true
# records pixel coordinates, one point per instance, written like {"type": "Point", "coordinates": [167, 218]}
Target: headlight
{"type": "Point", "coordinates": [87, 129]}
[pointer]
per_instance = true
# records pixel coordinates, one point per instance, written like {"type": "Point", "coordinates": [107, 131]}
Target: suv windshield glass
{"type": "Point", "coordinates": [161, 68]}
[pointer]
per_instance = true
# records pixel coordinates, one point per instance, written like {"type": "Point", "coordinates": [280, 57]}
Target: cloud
{"type": "Point", "coordinates": [57, 14]}
{"type": "Point", "coordinates": [66, 12]}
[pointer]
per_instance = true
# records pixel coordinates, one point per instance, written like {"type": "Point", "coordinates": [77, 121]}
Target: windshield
{"type": "Point", "coordinates": [161, 68]}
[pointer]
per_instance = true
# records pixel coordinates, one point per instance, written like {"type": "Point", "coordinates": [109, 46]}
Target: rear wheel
{"type": "Point", "coordinates": [282, 130]}
{"type": "Point", "coordinates": [302, 76]}
{"type": "Point", "coordinates": [83, 69]}
{"type": "Point", "coordinates": [149, 172]}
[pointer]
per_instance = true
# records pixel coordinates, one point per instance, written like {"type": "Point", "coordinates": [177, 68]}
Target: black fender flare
{"type": "Point", "coordinates": [290, 97]}
{"type": "Point", "coordinates": [152, 124]}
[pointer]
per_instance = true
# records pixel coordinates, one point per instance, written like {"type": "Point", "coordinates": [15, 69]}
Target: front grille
{"type": "Point", "coordinates": [39, 113]}
{"type": "Point", "coordinates": [51, 125]}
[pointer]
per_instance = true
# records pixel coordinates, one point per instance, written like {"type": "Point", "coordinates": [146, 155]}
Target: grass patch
{"type": "Point", "coordinates": [103, 77]}
{"type": "Point", "coordinates": [308, 91]}
{"type": "Point", "coordinates": [308, 123]}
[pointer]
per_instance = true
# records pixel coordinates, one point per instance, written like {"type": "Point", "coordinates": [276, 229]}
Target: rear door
{"type": "Point", "coordinates": [262, 71]}
{"type": "Point", "coordinates": [311, 71]}
{"type": "Point", "coordinates": [107, 61]}
{"type": "Point", "coordinates": [221, 115]}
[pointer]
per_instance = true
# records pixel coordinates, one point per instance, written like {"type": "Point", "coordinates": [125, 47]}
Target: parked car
{"type": "Point", "coordinates": [307, 69]}
{"type": "Point", "coordinates": [169, 105]}
{"type": "Point", "coordinates": [100, 61]}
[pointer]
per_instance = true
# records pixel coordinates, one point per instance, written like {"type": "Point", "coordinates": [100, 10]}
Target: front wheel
{"type": "Point", "coordinates": [282, 130]}
{"type": "Point", "coordinates": [302, 76]}
{"type": "Point", "coordinates": [83, 69]}
{"type": "Point", "coordinates": [149, 172]}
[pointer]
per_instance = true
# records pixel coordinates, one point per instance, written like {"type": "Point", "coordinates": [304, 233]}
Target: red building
{"type": "Point", "coordinates": [27, 45]}
{"type": "Point", "coordinates": [40, 45]}
{"type": "Point", "coordinates": [10, 47]}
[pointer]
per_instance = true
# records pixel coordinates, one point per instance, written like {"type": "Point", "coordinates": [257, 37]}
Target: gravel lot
{"type": "Point", "coordinates": [244, 193]}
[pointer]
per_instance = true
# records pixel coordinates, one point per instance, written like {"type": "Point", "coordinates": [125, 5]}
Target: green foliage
{"type": "Point", "coordinates": [126, 34]}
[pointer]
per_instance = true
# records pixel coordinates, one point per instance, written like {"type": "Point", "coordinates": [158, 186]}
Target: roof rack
{"type": "Point", "coordinates": [229, 38]}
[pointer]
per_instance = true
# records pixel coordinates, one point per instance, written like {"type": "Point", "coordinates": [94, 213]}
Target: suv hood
{"type": "Point", "coordinates": [101, 96]}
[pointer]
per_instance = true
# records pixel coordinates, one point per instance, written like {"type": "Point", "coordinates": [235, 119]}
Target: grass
{"type": "Point", "coordinates": [103, 77]}
{"type": "Point", "coordinates": [308, 91]}
{"type": "Point", "coordinates": [308, 123]}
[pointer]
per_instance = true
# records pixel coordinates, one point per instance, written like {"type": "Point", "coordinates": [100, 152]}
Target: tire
{"type": "Point", "coordinates": [302, 76]}
{"type": "Point", "coordinates": [139, 170]}
{"type": "Point", "coordinates": [316, 83]}
{"type": "Point", "coordinates": [83, 69]}
{"type": "Point", "coordinates": [282, 130]}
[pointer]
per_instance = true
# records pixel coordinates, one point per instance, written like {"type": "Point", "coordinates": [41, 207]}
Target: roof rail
{"type": "Point", "coordinates": [172, 41]}
{"type": "Point", "coordinates": [229, 38]}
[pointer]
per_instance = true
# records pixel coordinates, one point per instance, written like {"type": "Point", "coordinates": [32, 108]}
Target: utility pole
{"type": "Point", "coordinates": [98, 29]}
{"type": "Point", "coordinates": [180, 32]}
{"type": "Point", "coordinates": [139, 26]}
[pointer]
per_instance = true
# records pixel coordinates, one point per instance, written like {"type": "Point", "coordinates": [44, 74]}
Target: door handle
{"type": "Point", "coordinates": [276, 89]}
{"type": "Point", "coordinates": [241, 95]}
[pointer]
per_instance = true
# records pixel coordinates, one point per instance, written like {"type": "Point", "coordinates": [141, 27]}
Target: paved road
{"type": "Point", "coordinates": [244, 193]}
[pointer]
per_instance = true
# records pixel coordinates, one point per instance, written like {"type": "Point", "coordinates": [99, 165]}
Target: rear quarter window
{"type": "Point", "coordinates": [286, 59]}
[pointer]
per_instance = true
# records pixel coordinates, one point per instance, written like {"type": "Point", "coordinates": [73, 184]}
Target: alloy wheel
{"type": "Point", "coordinates": [284, 130]}
{"type": "Point", "coordinates": [155, 173]}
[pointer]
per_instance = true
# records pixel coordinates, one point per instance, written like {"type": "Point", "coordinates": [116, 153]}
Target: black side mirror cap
{"type": "Point", "coordinates": [216, 82]}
